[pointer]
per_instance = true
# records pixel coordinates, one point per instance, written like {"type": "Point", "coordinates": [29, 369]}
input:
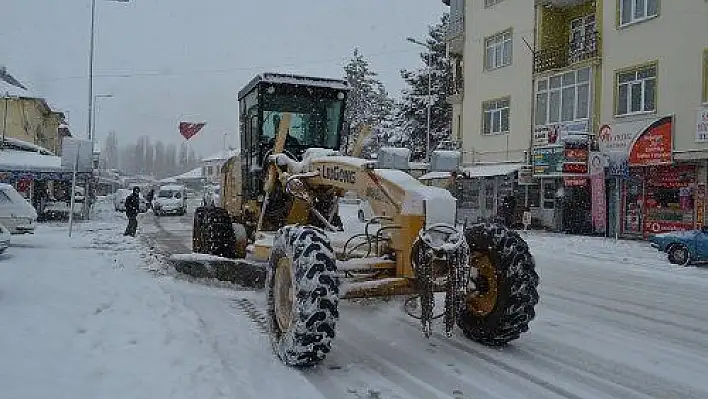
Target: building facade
{"type": "Point", "coordinates": [617, 109]}
{"type": "Point", "coordinates": [490, 46]}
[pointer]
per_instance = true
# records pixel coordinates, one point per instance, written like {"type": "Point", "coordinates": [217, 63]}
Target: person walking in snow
{"type": "Point", "coordinates": [132, 207]}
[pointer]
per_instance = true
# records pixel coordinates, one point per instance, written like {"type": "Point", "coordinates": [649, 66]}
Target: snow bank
{"type": "Point", "coordinates": [192, 257]}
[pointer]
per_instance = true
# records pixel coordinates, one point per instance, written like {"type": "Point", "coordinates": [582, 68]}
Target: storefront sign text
{"type": "Point", "coordinates": [597, 192]}
{"type": "Point", "coordinates": [653, 146]}
{"type": "Point", "coordinates": [548, 161]}
{"type": "Point", "coordinates": [700, 204]}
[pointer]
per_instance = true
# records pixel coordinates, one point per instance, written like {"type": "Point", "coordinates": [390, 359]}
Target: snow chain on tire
{"type": "Point", "coordinates": [516, 283]}
{"type": "Point", "coordinates": [315, 298]}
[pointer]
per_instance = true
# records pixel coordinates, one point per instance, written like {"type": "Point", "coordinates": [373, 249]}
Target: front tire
{"type": "Point", "coordinates": [500, 308]}
{"type": "Point", "coordinates": [679, 255]}
{"type": "Point", "coordinates": [303, 295]}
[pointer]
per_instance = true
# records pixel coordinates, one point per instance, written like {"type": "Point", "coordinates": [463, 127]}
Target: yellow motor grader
{"type": "Point", "coordinates": [279, 208]}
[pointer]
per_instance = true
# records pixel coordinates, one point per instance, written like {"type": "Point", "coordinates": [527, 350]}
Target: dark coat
{"type": "Point", "coordinates": [132, 205]}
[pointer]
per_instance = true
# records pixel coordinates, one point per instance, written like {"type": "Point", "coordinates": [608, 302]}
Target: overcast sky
{"type": "Point", "coordinates": [171, 60]}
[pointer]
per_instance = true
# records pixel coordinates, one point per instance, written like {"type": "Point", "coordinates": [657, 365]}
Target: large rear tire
{"type": "Point", "coordinates": [499, 310]}
{"type": "Point", "coordinates": [303, 295]}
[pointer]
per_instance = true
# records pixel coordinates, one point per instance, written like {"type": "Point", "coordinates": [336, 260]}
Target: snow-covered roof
{"type": "Point", "coordinates": [435, 175]}
{"type": "Point", "coordinates": [195, 173]}
{"type": "Point", "coordinates": [27, 160]}
{"type": "Point", "coordinates": [8, 90]}
{"type": "Point", "coordinates": [222, 155]}
{"type": "Point", "coordinates": [169, 180]}
{"type": "Point", "coordinates": [25, 146]}
{"type": "Point", "coordinates": [491, 170]}
{"type": "Point", "coordinates": [448, 153]}
{"type": "Point", "coordinates": [280, 78]}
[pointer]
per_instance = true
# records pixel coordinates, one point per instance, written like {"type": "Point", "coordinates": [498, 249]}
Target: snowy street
{"type": "Point", "coordinates": [101, 316]}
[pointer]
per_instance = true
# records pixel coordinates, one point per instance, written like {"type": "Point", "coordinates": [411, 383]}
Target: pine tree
{"type": "Point", "coordinates": [412, 117]}
{"type": "Point", "coordinates": [368, 102]}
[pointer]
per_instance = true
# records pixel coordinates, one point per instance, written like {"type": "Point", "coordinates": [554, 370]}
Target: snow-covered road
{"type": "Point", "coordinates": [615, 321]}
{"type": "Point", "coordinates": [99, 316]}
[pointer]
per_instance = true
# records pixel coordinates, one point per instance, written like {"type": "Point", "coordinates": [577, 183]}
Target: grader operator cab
{"type": "Point", "coordinates": [279, 209]}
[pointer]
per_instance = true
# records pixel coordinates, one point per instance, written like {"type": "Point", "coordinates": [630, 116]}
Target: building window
{"type": "Point", "coordinates": [208, 170]}
{"type": "Point", "coordinates": [489, 3]}
{"type": "Point", "coordinates": [636, 90]}
{"type": "Point", "coordinates": [705, 76]}
{"type": "Point", "coordinates": [495, 118]}
{"type": "Point", "coordinates": [631, 11]}
{"type": "Point", "coordinates": [497, 50]}
{"type": "Point", "coordinates": [563, 98]}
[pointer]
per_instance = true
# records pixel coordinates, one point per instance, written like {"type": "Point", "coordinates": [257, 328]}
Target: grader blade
{"type": "Point", "coordinates": [244, 272]}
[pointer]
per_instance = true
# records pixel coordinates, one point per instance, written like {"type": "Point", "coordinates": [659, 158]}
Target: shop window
{"type": "Point", "coordinates": [563, 98]}
{"type": "Point", "coordinates": [549, 194]}
{"type": "Point", "coordinates": [497, 50]}
{"type": "Point", "coordinates": [633, 11]}
{"type": "Point", "coordinates": [495, 116]}
{"type": "Point", "coordinates": [636, 90]}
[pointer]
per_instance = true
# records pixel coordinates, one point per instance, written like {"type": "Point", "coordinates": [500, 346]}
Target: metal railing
{"type": "Point", "coordinates": [569, 53]}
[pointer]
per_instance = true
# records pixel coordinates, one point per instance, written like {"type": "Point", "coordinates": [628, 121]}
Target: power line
{"type": "Point", "coordinates": [136, 73]}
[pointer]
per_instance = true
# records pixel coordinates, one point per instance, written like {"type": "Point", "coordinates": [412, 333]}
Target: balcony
{"type": "Point", "coordinates": [567, 54]}
{"type": "Point", "coordinates": [456, 29]}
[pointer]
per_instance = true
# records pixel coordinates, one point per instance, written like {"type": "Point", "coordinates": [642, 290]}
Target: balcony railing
{"type": "Point", "coordinates": [567, 54]}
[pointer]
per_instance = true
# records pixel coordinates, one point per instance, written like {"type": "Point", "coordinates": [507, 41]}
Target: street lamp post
{"type": "Point", "coordinates": [429, 99]}
{"type": "Point", "coordinates": [89, 124]}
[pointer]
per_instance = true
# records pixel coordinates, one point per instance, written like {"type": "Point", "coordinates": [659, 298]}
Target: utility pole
{"type": "Point", "coordinates": [4, 121]}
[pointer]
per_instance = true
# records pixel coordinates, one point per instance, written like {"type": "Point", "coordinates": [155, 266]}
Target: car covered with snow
{"type": "Point", "coordinates": [170, 199]}
{"type": "Point", "coordinates": [683, 247]}
{"type": "Point", "coordinates": [119, 200]}
{"type": "Point", "coordinates": [4, 238]}
{"type": "Point", "coordinates": [16, 214]}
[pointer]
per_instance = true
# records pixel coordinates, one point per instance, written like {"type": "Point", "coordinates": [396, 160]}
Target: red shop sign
{"type": "Point", "coordinates": [576, 155]}
{"type": "Point", "coordinates": [653, 146]}
{"type": "Point", "coordinates": [661, 226]}
{"type": "Point", "coordinates": [579, 168]}
{"type": "Point", "coordinates": [671, 176]}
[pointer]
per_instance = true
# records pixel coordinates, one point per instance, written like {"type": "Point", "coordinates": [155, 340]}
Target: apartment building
{"type": "Point", "coordinates": [490, 42]}
{"type": "Point", "coordinates": [623, 83]}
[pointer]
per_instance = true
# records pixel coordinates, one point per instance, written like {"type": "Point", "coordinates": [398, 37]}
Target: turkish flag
{"type": "Point", "coordinates": [188, 129]}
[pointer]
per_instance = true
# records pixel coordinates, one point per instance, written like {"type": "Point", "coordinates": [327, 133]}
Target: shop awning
{"type": "Point", "coordinates": [491, 170]}
{"type": "Point", "coordinates": [435, 175]}
{"type": "Point", "coordinates": [29, 161]}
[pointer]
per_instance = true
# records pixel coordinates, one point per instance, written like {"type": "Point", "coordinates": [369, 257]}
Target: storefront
{"type": "Point", "coordinates": [561, 199]}
{"type": "Point", "coordinates": [655, 194]}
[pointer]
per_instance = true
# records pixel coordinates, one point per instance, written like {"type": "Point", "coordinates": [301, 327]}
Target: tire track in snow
{"type": "Point", "coordinates": [607, 308]}
{"type": "Point", "coordinates": [503, 365]}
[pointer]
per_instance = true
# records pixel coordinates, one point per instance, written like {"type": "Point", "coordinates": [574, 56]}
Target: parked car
{"type": "Point", "coordinates": [170, 199]}
{"type": "Point", "coordinates": [121, 195]}
{"type": "Point", "coordinates": [60, 209]}
{"type": "Point", "coordinates": [16, 214]}
{"type": "Point", "coordinates": [4, 238]}
{"type": "Point", "coordinates": [683, 247]}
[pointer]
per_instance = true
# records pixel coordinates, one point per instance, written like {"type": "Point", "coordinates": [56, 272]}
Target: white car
{"type": "Point", "coordinates": [16, 214]}
{"type": "Point", "coordinates": [119, 200]}
{"type": "Point", "coordinates": [170, 199]}
{"type": "Point", "coordinates": [4, 238]}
